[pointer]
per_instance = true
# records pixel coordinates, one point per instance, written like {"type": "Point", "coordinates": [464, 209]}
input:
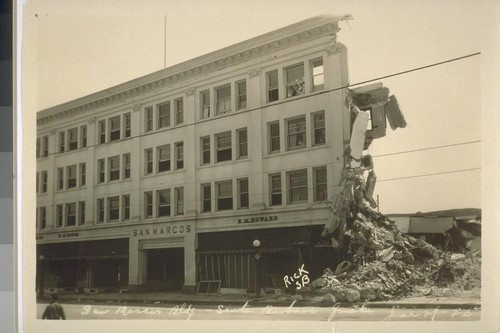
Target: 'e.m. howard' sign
{"type": "Point", "coordinates": [258, 219]}
{"type": "Point", "coordinates": [161, 230]}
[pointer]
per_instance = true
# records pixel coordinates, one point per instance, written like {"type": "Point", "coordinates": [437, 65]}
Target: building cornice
{"type": "Point", "coordinates": [296, 34]}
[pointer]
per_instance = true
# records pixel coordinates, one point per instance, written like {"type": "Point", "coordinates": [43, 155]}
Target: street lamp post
{"type": "Point", "coordinates": [256, 244]}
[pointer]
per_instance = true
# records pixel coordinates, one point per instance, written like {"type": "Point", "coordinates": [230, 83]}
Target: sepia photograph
{"type": "Point", "coordinates": [256, 163]}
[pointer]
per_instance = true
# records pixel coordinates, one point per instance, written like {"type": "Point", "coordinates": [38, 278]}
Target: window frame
{"type": "Point", "coordinates": [60, 178]}
{"type": "Point", "coordinates": [274, 192]}
{"type": "Point", "coordinates": [45, 146]}
{"type": "Point", "coordinates": [127, 125]}
{"type": "Point", "coordinates": [71, 176]}
{"type": "Point", "coordinates": [301, 131]}
{"type": "Point", "coordinates": [148, 119]}
{"type": "Point", "coordinates": [224, 153]}
{"type": "Point", "coordinates": [166, 161]}
{"type": "Point", "coordinates": [83, 136]}
{"type": "Point", "coordinates": [242, 151]}
{"type": "Point", "coordinates": [302, 187]}
{"type": "Point", "coordinates": [82, 171]}
{"type": "Point", "coordinates": [81, 213]}
{"type": "Point", "coordinates": [114, 128]}
{"type": "Point", "coordinates": [163, 120]}
{"type": "Point", "coordinates": [317, 87]}
{"type": "Point", "coordinates": [206, 202]}
{"type": "Point", "coordinates": [44, 175]}
{"type": "Point", "coordinates": [243, 196]}
{"type": "Point", "coordinates": [43, 217]}
{"type": "Point", "coordinates": [179, 155]}
{"type": "Point", "coordinates": [205, 104]}
{"type": "Point", "coordinates": [179, 110]}
{"type": "Point", "coordinates": [149, 161]}
{"type": "Point", "coordinates": [125, 207]}
{"type": "Point", "coordinates": [272, 89]}
{"type": "Point", "coordinates": [318, 131]}
{"type": "Point", "coordinates": [113, 211]}
{"type": "Point", "coordinates": [101, 171]}
{"type": "Point", "coordinates": [318, 186]}
{"type": "Point", "coordinates": [73, 139]}
{"type": "Point", "coordinates": [101, 131]}
{"type": "Point", "coordinates": [276, 139]}
{"type": "Point", "coordinates": [163, 203]}
{"type": "Point", "coordinates": [62, 141]}
{"type": "Point", "coordinates": [223, 200]}
{"type": "Point", "coordinates": [126, 165]}
{"type": "Point", "coordinates": [59, 216]}
{"type": "Point", "coordinates": [296, 87]}
{"type": "Point", "coordinates": [205, 150]}
{"type": "Point", "coordinates": [100, 210]}
{"type": "Point", "coordinates": [113, 170]}
{"type": "Point", "coordinates": [70, 214]}
{"type": "Point", "coordinates": [223, 104]}
{"type": "Point", "coordinates": [179, 200]}
{"type": "Point", "coordinates": [148, 205]}
{"type": "Point", "coordinates": [241, 94]}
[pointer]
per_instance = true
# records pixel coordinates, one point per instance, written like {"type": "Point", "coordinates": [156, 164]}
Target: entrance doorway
{"type": "Point", "coordinates": [165, 269]}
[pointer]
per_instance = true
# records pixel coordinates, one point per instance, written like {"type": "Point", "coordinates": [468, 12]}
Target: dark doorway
{"type": "Point", "coordinates": [165, 269]}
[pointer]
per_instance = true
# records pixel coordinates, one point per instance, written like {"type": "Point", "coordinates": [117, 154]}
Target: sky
{"type": "Point", "coordinates": [75, 48]}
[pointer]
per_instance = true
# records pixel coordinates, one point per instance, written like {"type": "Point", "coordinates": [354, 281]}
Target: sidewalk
{"type": "Point", "coordinates": [177, 298]}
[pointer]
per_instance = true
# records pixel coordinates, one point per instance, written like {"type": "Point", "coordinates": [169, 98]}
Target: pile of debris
{"type": "Point", "coordinates": [380, 261]}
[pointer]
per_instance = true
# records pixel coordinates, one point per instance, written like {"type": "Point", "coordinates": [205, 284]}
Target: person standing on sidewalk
{"type": "Point", "coordinates": [54, 310]}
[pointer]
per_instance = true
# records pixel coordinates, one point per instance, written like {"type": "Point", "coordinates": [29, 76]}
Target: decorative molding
{"type": "Point", "coordinates": [53, 131]}
{"type": "Point", "coordinates": [92, 120]}
{"type": "Point", "coordinates": [137, 107]}
{"type": "Point", "coordinates": [333, 49]}
{"type": "Point", "coordinates": [190, 91]}
{"type": "Point", "coordinates": [254, 72]}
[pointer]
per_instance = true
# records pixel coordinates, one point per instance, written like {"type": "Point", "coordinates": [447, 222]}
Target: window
{"type": "Point", "coordinates": [243, 193]}
{"type": "Point", "coordinates": [71, 175]}
{"type": "Point", "coordinates": [45, 177]}
{"type": "Point", "coordinates": [223, 99]}
{"type": "Point", "coordinates": [179, 200]}
{"type": "Point", "coordinates": [37, 182]}
{"type": "Point", "coordinates": [297, 132]}
{"type": "Point", "coordinates": [101, 171]}
{"type": "Point", "coordinates": [295, 80]}
{"type": "Point", "coordinates": [297, 186]}
{"type": "Point", "coordinates": [164, 158]}
{"type": "Point", "coordinates": [272, 86]}
{"type": "Point", "coordinates": [127, 124]}
{"type": "Point", "coordinates": [126, 166]}
{"type": "Point", "coordinates": [275, 185]}
{"type": "Point", "coordinates": [43, 217]}
{"type": "Point", "coordinates": [205, 104]}
{"type": "Point", "coordinates": [114, 128]}
{"type": "Point", "coordinates": [179, 155]}
{"type": "Point", "coordinates": [148, 158]}
{"type": "Point", "coordinates": [83, 136]}
{"type": "Point", "coordinates": [59, 216]}
{"type": "Point", "coordinates": [223, 141]}
{"type": "Point", "coordinates": [38, 147]}
{"type": "Point", "coordinates": [100, 210]}
{"type": "Point", "coordinates": [318, 75]}
{"type": "Point", "coordinates": [81, 211]}
{"type": "Point", "coordinates": [83, 174]}
{"type": "Point", "coordinates": [62, 144]}
{"type": "Point", "coordinates": [125, 207]}
{"type": "Point", "coordinates": [70, 214]}
{"type": "Point", "coordinates": [163, 115]}
{"type": "Point", "coordinates": [113, 208]}
{"type": "Point", "coordinates": [242, 143]}
{"type": "Point", "coordinates": [60, 178]}
{"type": "Point", "coordinates": [241, 93]}
{"type": "Point", "coordinates": [102, 131]}
{"type": "Point", "coordinates": [320, 184]}
{"type": "Point", "coordinates": [274, 137]}
{"type": "Point", "coordinates": [163, 198]}
{"type": "Point", "coordinates": [148, 119]}
{"type": "Point", "coordinates": [179, 111]}
{"type": "Point", "coordinates": [206, 196]}
{"type": "Point", "coordinates": [73, 139]}
{"type": "Point", "coordinates": [369, 125]}
{"type": "Point", "coordinates": [148, 204]}
{"type": "Point", "coordinates": [114, 168]}
{"type": "Point", "coordinates": [224, 195]}
{"type": "Point", "coordinates": [45, 146]}
{"type": "Point", "coordinates": [205, 146]}
{"type": "Point", "coordinates": [319, 128]}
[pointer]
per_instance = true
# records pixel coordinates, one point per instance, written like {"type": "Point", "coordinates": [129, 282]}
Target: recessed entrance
{"type": "Point", "coordinates": [165, 269]}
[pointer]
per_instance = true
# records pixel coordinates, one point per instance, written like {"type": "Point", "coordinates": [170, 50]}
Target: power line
{"type": "Point", "coordinates": [427, 175]}
{"type": "Point", "coordinates": [428, 148]}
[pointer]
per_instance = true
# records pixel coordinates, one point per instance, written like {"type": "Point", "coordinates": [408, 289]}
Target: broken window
{"type": "Point", "coordinates": [295, 80]}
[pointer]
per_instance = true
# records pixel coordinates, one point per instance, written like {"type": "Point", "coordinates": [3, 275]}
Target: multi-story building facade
{"type": "Point", "coordinates": [167, 180]}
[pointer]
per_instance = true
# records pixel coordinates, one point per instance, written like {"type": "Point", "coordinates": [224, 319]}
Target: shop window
{"type": "Point", "coordinates": [275, 188]}
{"type": "Point", "coordinates": [83, 136]}
{"type": "Point", "coordinates": [179, 155]}
{"type": "Point", "coordinates": [224, 152]}
{"type": "Point", "coordinates": [83, 174]}
{"type": "Point", "coordinates": [113, 208]}
{"type": "Point", "coordinates": [318, 75]}
{"type": "Point", "coordinates": [43, 217]}
{"type": "Point", "coordinates": [73, 139]}
{"type": "Point", "coordinates": [102, 131]}
{"type": "Point", "coordinates": [148, 204]}
{"type": "Point", "coordinates": [295, 80]}
{"type": "Point", "coordinates": [320, 184]}
{"type": "Point", "coordinates": [127, 124]}
{"type": "Point", "coordinates": [148, 119]}
{"type": "Point", "coordinates": [243, 197]}
{"type": "Point", "coordinates": [126, 207]}
{"type": "Point", "coordinates": [60, 178]}
{"type": "Point", "coordinates": [114, 167]}
{"type": "Point", "coordinates": [274, 137]}
{"type": "Point", "coordinates": [126, 166]}
{"type": "Point", "coordinates": [163, 115]}
{"type": "Point", "coordinates": [179, 200]}
{"type": "Point", "coordinates": [223, 99]}
{"type": "Point", "coordinates": [62, 143]}
{"type": "Point", "coordinates": [296, 132]}
{"type": "Point", "coordinates": [242, 143]}
{"type": "Point", "coordinates": [163, 155]}
{"type": "Point", "coordinates": [205, 146]}
{"type": "Point", "coordinates": [148, 158]}
{"type": "Point", "coordinates": [297, 186]}
{"type": "Point", "coordinates": [59, 216]}
{"type": "Point", "coordinates": [272, 86]}
{"type": "Point", "coordinates": [45, 177]}
{"type": "Point", "coordinates": [224, 195]}
{"type": "Point", "coordinates": [71, 214]}
{"type": "Point", "coordinates": [164, 206]}
{"type": "Point", "coordinates": [179, 111]}
{"type": "Point", "coordinates": [319, 128]}
{"type": "Point", "coordinates": [100, 210]}
{"type": "Point", "coordinates": [101, 173]}
{"type": "Point", "coordinates": [81, 213]}
{"type": "Point", "coordinates": [206, 195]}
{"type": "Point", "coordinates": [114, 128]}
{"type": "Point", "coordinates": [241, 93]}
{"type": "Point", "coordinates": [205, 104]}
{"type": "Point", "coordinates": [71, 176]}
{"type": "Point", "coordinates": [45, 146]}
